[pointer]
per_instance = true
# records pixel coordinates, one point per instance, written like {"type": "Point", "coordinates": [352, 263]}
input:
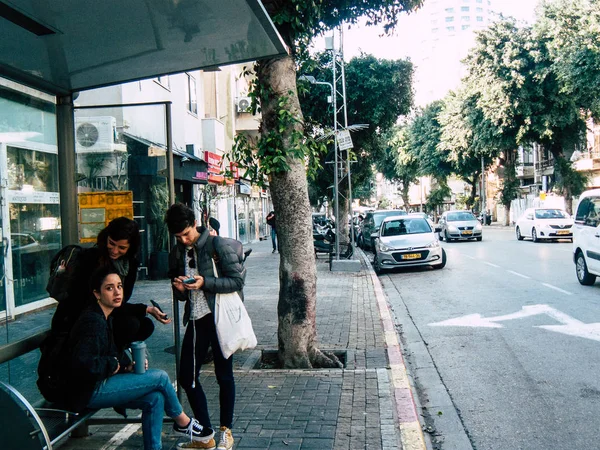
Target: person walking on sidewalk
{"type": "Point", "coordinates": [99, 376]}
{"type": "Point", "coordinates": [192, 258]}
{"type": "Point", "coordinates": [273, 223]}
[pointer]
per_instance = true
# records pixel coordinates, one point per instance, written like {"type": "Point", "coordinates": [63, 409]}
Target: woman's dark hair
{"type": "Point", "coordinates": [179, 217]}
{"type": "Point", "coordinates": [119, 229]}
{"type": "Point", "coordinates": [99, 275]}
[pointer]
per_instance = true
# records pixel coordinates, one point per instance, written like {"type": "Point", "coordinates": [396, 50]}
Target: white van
{"type": "Point", "coordinates": [586, 237]}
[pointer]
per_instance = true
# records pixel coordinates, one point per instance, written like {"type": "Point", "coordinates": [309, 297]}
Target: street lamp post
{"type": "Point", "coordinates": [313, 80]}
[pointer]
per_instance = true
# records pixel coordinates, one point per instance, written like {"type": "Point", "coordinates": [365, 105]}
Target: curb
{"type": "Point", "coordinates": [411, 432]}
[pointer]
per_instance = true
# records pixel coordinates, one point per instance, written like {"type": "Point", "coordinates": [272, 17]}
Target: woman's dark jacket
{"type": "Point", "coordinates": [228, 263]}
{"type": "Point", "coordinates": [93, 356]}
{"type": "Point", "coordinates": [80, 296]}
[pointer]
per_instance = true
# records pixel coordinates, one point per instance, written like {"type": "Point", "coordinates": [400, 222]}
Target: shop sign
{"type": "Point", "coordinates": [215, 162]}
{"type": "Point", "coordinates": [263, 193]}
{"type": "Point", "coordinates": [33, 197]}
{"type": "Point", "coordinates": [255, 191]}
{"type": "Point", "coordinates": [201, 176]}
{"type": "Point", "coordinates": [245, 188]}
{"type": "Point", "coordinates": [215, 178]}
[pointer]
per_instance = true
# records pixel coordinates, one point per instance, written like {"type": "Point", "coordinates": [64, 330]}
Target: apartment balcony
{"type": "Point", "coordinates": [588, 162]}
{"type": "Point", "coordinates": [544, 167]}
{"type": "Point", "coordinates": [525, 170]}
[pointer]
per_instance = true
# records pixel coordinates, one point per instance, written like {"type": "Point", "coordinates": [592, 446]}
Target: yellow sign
{"type": "Point", "coordinates": [97, 209]}
{"type": "Point", "coordinates": [542, 196]}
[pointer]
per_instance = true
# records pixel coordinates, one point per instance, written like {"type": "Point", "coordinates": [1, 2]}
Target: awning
{"type": "Point", "coordinates": [64, 46]}
{"type": "Point", "coordinates": [149, 159]}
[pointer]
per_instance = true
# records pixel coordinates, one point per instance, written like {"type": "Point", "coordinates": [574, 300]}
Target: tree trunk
{"type": "Point", "coordinates": [405, 196]}
{"type": "Point", "coordinates": [341, 225]}
{"type": "Point", "coordinates": [297, 333]}
{"type": "Point", "coordinates": [507, 217]}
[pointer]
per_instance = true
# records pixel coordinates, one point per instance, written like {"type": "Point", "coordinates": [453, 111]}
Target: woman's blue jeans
{"type": "Point", "coordinates": [151, 392]}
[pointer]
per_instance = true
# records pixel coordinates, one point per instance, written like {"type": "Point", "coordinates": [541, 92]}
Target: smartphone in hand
{"type": "Point", "coordinates": [157, 306]}
{"type": "Point", "coordinates": [190, 280]}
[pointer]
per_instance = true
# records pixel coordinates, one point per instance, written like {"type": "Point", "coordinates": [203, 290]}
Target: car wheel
{"type": "Point", "coordinates": [479, 238]}
{"type": "Point", "coordinates": [584, 277]}
{"type": "Point", "coordinates": [376, 266]}
{"type": "Point", "coordinates": [443, 264]}
{"type": "Point", "coordinates": [519, 235]}
{"type": "Point", "coordinates": [446, 238]}
{"type": "Point", "coordinates": [534, 237]}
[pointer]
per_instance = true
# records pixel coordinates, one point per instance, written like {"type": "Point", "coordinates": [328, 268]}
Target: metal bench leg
{"type": "Point", "coordinates": [81, 431]}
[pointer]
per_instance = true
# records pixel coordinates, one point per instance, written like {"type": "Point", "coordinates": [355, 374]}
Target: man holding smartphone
{"type": "Point", "coordinates": [193, 280]}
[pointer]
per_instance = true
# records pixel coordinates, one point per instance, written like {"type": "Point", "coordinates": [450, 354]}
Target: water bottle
{"type": "Point", "coordinates": [138, 352]}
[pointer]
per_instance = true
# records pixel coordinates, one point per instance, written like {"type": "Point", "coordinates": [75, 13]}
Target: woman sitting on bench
{"type": "Point", "coordinates": [99, 377]}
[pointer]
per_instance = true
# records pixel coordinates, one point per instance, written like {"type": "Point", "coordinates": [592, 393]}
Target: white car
{"type": "Point", "coordinates": [407, 241]}
{"type": "Point", "coordinates": [544, 223]}
{"type": "Point", "coordinates": [586, 237]}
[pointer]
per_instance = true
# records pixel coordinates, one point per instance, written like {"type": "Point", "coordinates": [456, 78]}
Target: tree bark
{"type": "Point", "coordinates": [296, 309]}
{"type": "Point", "coordinates": [405, 196]}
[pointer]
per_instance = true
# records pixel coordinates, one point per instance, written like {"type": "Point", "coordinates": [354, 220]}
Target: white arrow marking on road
{"type": "Point", "coordinates": [570, 326]}
{"type": "Point", "coordinates": [476, 320]}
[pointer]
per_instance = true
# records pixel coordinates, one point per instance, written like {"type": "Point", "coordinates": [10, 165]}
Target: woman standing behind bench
{"type": "Point", "coordinates": [116, 248]}
{"type": "Point", "coordinates": [100, 377]}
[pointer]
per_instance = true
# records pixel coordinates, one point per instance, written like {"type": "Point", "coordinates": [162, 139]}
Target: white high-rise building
{"type": "Point", "coordinates": [447, 32]}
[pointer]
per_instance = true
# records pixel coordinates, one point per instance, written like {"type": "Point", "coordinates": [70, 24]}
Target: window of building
{"type": "Point", "coordinates": [466, 27]}
{"type": "Point", "coordinates": [101, 183]}
{"type": "Point", "coordinates": [479, 1]}
{"type": "Point", "coordinates": [192, 95]}
{"type": "Point", "coordinates": [450, 19]}
{"type": "Point", "coordinates": [464, 8]}
{"type": "Point", "coordinates": [434, 30]}
{"type": "Point", "coordinates": [449, 10]}
{"type": "Point", "coordinates": [479, 9]}
{"type": "Point", "coordinates": [465, 18]}
{"type": "Point", "coordinates": [479, 19]}
{"type": "Point", "coordinates": [450, 28]}
{"type": "Point", "coordinates": [164, 81]}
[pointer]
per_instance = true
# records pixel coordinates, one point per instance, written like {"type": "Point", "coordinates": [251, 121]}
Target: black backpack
{"type": "Point", "coordinates": [54, 360]}
{"type": "Point", "coordinates": [62, 270]}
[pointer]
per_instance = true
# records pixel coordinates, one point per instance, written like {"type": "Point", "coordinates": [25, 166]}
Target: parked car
{"type": "Point", "coordinates": [407, 241]}
{"type": "Point", "coordinates": [30, 256]}
{"type": "Point", "coordinates": [459, 225]}
{"type": "Point", "coordinates": [544, 223]}
{"type": "Point", "coordinates": [425, 216]}
{"type": "Point", "coordinates": [586, 237]}
{"type": "Point", "coordinates": [371, 223]}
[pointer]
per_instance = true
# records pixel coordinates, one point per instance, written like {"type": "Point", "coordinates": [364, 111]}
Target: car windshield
{"type": "Point", "coordinates": [401, 227]}
{"type": "Point", "coordinates": [550, 214]}
{"type": "Point", "coordinates": [379, 216]}
{"type": "Point", "coordinates": [460, 216]}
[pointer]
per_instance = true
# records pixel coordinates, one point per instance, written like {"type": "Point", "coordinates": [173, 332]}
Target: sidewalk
{"type": "Point", "coordinates": [364, 405]}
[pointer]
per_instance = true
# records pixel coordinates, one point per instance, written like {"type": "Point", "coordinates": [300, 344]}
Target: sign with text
{"type": "Point", "coordinates": [215, 162]}
{"type": "Point", "coordinates": [344, 140]}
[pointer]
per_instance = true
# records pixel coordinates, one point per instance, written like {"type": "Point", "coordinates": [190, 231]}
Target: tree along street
{"type": "Point", "coordinates": [503, 344]}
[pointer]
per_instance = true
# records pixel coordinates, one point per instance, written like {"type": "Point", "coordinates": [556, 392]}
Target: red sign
{"type": "Point", "coordinates": [234, 170]}
{"type": "Point", "coordinates": [215, 162]}
{"type": "Point", "coordinates": [215, 178]}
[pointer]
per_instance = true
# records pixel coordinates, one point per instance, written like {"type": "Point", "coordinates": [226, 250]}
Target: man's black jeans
{"type": "Point", "coordinates": [206, 334]}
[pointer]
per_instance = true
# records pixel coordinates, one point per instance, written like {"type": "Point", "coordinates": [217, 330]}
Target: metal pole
{"type": "Point", "coordinates": [483, 209]}
{"type": "Point", "coordinates": [67, 167]}
{"type": "Point", "coordinates": [335, 172]}
{"type": "Point", "coordinates": [347, 151]}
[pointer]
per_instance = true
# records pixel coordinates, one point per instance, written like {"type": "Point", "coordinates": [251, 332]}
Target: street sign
{"type": "Point", "coordinates": [344, 140]}
{"type": "Point", "coordinates": [570, 326]}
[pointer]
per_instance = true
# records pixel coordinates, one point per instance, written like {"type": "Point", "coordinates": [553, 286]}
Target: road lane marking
{"type": "Point", "coordinates": [469, 256]}
{"type": "Point", "coordinates": [490, 264]}
{"type": "Point", "coordinates": [557, 289]}
{"type": "Point", "coordinates": [518, 274]}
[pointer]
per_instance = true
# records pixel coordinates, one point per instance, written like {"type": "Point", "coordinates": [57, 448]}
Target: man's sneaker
{"type": "Point", "coordinates": [226, 441]}
{"type": "Point", "coordinates": [195, 432]}
{"type": "Point", "coordinates": [210, 445]}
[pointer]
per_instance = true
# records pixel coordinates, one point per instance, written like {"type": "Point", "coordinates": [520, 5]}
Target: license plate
{"type": "Point", "coordinates": [563, 232]}
{"type": "Point", "coordinates": [467, 232]}
{"type": "Point", "coordinates": [411, 256]}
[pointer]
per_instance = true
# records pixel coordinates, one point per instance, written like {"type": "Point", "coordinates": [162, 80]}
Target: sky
{"type": "Point", "coordinates": [368, 40]}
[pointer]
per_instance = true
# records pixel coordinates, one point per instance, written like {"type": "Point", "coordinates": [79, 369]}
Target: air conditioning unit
{"type": "Point", "coordinates": [97, 135]}
{"type": "Point", "coordinates": [243, 104]}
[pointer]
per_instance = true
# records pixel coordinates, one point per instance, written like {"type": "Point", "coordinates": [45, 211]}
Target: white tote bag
{"type": "Point", "coordinates": [234, 327]}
